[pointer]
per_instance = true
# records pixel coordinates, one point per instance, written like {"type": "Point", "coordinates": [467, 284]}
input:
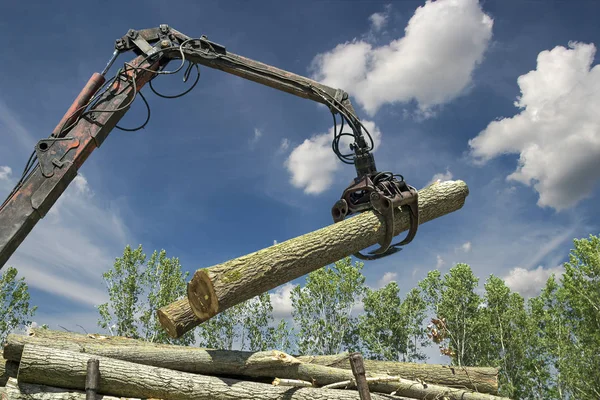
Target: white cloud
{"type": "Point", "coordinates": [256, 137]}
{"type": "Point", "coordinates": [387, 278]}
{"type": "Point", "coordinates": [281, 300]}
{"type": "Point", "coordinates": [441, 177]}
{"type": "Point", "coordinates": [466, 247]}
{"type": "Point", "coordinates": [274, 242]}
{"type": "Point", "coordinates": [312, 164]}
{"type": "Point", "coordinates": [5, 172]}
{"type": "Point", "coordinates": [529, 283]}
{"type": "Point", "coordinates": [68, 250]}
{"type": "Point", "coordinates": [285, 144]}
{"type": "Point", "coordinates": [557, 130]}
{"type": "Point", "coordinates": [379, 20]}
{"type": "Point", "coordinates": [443, 43]}
{"type": "Point", "coordinates": [439, 262]}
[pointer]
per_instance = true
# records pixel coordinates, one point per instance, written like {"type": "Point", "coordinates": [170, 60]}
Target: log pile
{"type": "Point", "coordinates": [51, 365]}
{"type": "Point", "coordinates": [54, 365]}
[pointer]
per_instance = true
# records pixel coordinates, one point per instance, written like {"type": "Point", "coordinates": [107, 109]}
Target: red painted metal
{"type": "Point", "coordinates": [82, 100]}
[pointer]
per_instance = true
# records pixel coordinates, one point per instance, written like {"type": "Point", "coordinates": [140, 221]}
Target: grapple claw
{"type": "Point", "coordinates": [382, 193]}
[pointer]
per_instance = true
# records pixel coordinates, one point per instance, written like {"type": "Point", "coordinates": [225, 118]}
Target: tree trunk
{"type": "Point", "coordinates": [26, 391]}
{"type": "Point", "coordinates": [265, 364]}
{"type": "Point", "coordinates": [215, 289]}
{"type": "Point", "coordinates": [8, 369]}
{"type": "Point", "coordinates": [67, 369]}
{"type": "Point", "coordinates": [481, 379]}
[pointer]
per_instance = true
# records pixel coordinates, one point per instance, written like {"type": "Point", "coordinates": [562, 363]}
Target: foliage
{"type": "Point", "coordinates": [504, 337]}
{"type": "Point", "coordinates": [164, 283]}
{"type": "Point", "coordinates": [246, 326]}
{"type": "Point", "coordinates": [136, 290]}
{"type": "Point", "coordinates": [120, 315]}
{"type": "Point", "coordinates": [454, 301]}
{"type": "Point", "coordinates": [391, 329]}
{"type": "Point", "coordinates": [323, 307]}
{"type": "Point", "coordinates": [14, 303]}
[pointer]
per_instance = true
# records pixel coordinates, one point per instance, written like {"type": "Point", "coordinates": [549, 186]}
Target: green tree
{"type": "Point", "coordinates": [124, 283]}
{"type": "Point", "coordinates": [322, 308]}
{"type": "Point", "coordinates": [391, 329]}
{"type": "Point", "coordinates": [546, 333]}
{"type": "Point", "coordinates": [455, 303]}
{"type": "Point", "coordinates": [136, 289]}
{"type": "Point", "coordinates": [580, 298]}
{"type": "Point", "coordinates": [505, 338]}
{"type": "Point", "coordinates": [246, 326]}
{"type": "Point", "coordinates": [14, 303]}
{"type": "Point", "coordinates": [164, 282]}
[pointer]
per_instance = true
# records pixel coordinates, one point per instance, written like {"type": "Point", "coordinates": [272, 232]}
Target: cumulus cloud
{"type": "Point", "coordinates": [281, 300]}
{"type": "Point", "coordinates": [312, 164]}
{"type": "Point", "coordinates": [5, 172]}
{"type": "Point", "coordinates": [466, 247]}
{"type": "Point", "coordinates": [442, 176]}
{"type": "Point", "coordinates": [387, 278]}
{"type": "Point", "coordinates": [433, 63]}
{"type": "Point", "coordinates": [557, 131]}
{"type": "Point", "coordinates": [529, 283]}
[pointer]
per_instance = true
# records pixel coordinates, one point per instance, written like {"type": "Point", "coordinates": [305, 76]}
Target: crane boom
{"type": "Point", "coordinates": [102, 103]}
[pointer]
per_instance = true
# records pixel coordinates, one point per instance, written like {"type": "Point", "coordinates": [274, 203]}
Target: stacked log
{"type": "Point", "coordinates": [52, 365]}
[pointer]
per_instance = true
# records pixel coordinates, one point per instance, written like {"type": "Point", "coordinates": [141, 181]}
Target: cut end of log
{"type": "Point", "coordinates": [202, 297]}
{"type": "Point", "coordinates": [177, 318]}
{"type": "Point", "coordinates": [167, 324]}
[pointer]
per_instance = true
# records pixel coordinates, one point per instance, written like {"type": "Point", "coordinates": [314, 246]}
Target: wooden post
{"type": "Point", "coordinates": [92, 378]}
{"type": "Point", "coordinates": [358, 370]}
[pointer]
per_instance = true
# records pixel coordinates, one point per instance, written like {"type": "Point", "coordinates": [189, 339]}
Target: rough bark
{"type": "Point", "coordinates": [243, 363]}
{"type": "Point", "coordinates": [26, 391]}
{"type": "Point", "coordinates": [177, 318]}
{"type": "Point", "coordinates": [481, 379]}
{"type": "Point", "coordinates": [186, 359]}
{"type": "Point", "coordinates": [67, 369]}
{"type": "Point", "coordinates": [215, 289]}
{"type": "Point", "coordinates": [267, 364]}
{"type": "Point", "coordinates": [8, 369]}
{"type": "Point", "coordinates": [89, 338]}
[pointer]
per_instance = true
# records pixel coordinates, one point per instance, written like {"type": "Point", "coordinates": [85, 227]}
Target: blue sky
{"type": "Point", "coordinates": [501, 94]}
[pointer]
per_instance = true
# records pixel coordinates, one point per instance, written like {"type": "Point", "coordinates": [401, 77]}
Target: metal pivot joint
{"type": "Point", "coordinates": [383, 193]}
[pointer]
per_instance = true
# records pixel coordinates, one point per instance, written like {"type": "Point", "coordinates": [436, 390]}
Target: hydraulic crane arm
{"type": "Point", "coordinates": [102, 103]}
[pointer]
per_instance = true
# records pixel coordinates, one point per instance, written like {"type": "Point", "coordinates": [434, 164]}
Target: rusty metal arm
{"type": "Point", "coordinates": [96, 112]}
{"type": "Point", "coordinates": [63, 153]}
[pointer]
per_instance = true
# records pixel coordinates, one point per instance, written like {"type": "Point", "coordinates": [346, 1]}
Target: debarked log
{"type": "Point", "coordinates": [481, 379]}
{"type": "Point", "coordinates": [26, 391]}
{"type": "Point", "coordinates": [214, 289]}
{"type": "Point", "coordinates": [264, 364]}
{"type": "Point", "coordinates": [66, 369]}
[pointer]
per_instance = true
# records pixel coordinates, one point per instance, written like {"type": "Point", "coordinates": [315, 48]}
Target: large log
{"type": "Point", "coordinates": [268, 364]}
{"type": "Point", "coordinates": [215, 289]}
{"type": "Point", "coordinates": [26, 391]}
{"type": "Point", "coordinates": [8, 369]}
{"type": "Point", "coordinates": [481, 379]}
{"type": "Point", "coordinates": [45, 366]}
